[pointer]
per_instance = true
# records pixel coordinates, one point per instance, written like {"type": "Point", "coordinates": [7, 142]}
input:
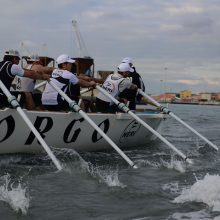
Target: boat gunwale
{"type": "Point", "coordinates": [118, 115]}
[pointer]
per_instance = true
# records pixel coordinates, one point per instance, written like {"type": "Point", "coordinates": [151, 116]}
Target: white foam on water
{"type": "Point", "coordinates": [201, 215]}
{"type": "Point", "coordinates": [14, 194]}
{"type": "Point", "coordinates": [108, 176]}
{"type": "Point", "coordinates": [9, 159]}
{"type": "Point", "coordinates": [75, 157]}
{"type": "Point", "coordinates": [142, 162]}
{"type": "Point", "coordinates": [171, 187]}
{"type": "Point", "coordinates": [142, 218]}
{"type": "Point", "coordinates": [159, 154]}
{"type": "Point", "coordinates": [206, 190]}
{"type": "Point", "coordinates": [174, 164]}
{"type": "Point", "coordinates": [158, 161]}
{"type": "Point", "coordinates": [104, 175]}
{"type": "Point", "coordinates": [112, 179]}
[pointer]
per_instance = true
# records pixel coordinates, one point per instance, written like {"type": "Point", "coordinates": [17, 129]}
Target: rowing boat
{"type": "Point", "coordinates": [23, 131]}
{"type": "Point", "coordinates": [71, 130]}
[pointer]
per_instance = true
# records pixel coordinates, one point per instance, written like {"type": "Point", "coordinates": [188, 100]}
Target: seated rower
{"type": "Point", "coordinates": [9, 68]}
{"type": "Point", "coordinates": [26, 85]}
{"type": "Point", "coordinates": [62, 77]}
{"type": "Point", "coordinates": [114, 85]}
{"type": "Point", "coordinates": [129, 94]}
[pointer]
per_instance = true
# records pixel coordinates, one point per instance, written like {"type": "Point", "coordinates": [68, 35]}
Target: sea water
{"type": "Point", "coordinates": [102, 186]}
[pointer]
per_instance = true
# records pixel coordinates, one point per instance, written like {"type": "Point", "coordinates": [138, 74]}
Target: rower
{"type": "Point", "coordinates": [114, 85]}
{"type": "Point", "coordinates": [129, 94]}
{"type": "Point", "coordinates": [62, 77]}
{"type": "Point", "coordinates": [25, 86]}
{"type": "Point", "coordinates": [9, 68]}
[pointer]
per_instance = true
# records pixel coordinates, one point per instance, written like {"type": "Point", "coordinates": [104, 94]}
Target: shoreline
{"type": "Point", "coordinates": [194, 103]}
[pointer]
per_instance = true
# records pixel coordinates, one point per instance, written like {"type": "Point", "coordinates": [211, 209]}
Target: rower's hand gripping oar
{"type": "Point", "coordinates": [13, 101]}
{"type": "Point", "coordinates": [167, 111]}
{"type": "Point", "coordinates": [73, 105]}
{"type": "Point", "coordinates": [124, 108]}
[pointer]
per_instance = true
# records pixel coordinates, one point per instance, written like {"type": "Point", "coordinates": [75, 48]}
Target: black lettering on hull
{"type": "Point", "coordinates": [130, 131]}
{"type": "Point", "coordinates": [95, 136]}
{"type": "Point", "coordinates": [68, 130]}
{"type": "Point", "coordinates": [10, 127]}
{"type": "Point", "coordinates": [37, 124]}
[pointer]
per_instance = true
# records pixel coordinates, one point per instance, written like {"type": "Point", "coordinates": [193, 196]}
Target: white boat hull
{"type": "Point", "coordinates": [70, 130]}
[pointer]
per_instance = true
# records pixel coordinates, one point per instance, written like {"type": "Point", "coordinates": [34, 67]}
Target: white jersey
{"type": "Point", "coordinates": [114, 84]}
{"type": "Point", "coordinates": [24, 84]}
{"type": "Point", "coordinates": [61, 78]}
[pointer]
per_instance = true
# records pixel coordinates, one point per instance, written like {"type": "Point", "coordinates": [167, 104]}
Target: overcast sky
{"type": "Point", "coordinates": [174, 44]}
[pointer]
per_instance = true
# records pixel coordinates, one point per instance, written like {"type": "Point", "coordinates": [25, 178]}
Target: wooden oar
{"type": "Point", "coordinates": [73, 105]}
{"type": "Point", "coordinates": [14, 103]}
{"type": "Point", "coordinates": [167, 111]}
{"type": "Point", "coordinates": [124, 108]}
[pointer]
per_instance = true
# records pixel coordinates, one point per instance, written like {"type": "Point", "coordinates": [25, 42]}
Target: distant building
{"type": "Point", "coordinates": [195, 98]}
{"type": "Point", "coordinates": [216, 96]}
{"type": "Point", "coordinates": [205, 96]}
{"type": "Point", "coordinates": [167, 97]}
{"type": "Point", "coordinates": [185, 94]}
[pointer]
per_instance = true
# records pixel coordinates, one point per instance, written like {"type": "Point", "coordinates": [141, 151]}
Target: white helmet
{"type": "Point", "coordinates": [127, 60]}
{"type": "Point", "coordinates": [33, 57]}
{"type": "Point", "coordinates": [13, 53]}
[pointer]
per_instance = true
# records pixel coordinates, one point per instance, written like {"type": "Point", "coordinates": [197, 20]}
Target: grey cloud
{"type": "Point", "coordinates": [143, 30]}
{"type": "Point", "coordinates": [198, 24]}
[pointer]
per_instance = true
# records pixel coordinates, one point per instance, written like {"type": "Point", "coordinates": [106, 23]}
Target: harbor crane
{"type": "Point", "coordinates": [24, 49]}
{"type": "Point", "coordinates": [82, 50]}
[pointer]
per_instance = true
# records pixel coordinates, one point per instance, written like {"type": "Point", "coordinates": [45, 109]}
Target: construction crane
{"type": "Point", "coordinates": [24, 49]}
{"type": "Point", "coordinates": [82, 50]}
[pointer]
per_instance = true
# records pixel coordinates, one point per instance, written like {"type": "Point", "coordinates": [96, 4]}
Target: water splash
{"type": "Point", "coordinates": [9, 159]}
{"type": "Point", "coordinates": [206, 190]}
{"type": "Point", "coordinates": [141, 163]}
{"type": "Point", "coordinates": [171, 187]}
{"type": "Point", "coordinates": [108, 176]}
{"type": "Point", "coordinates": [14, 194]}
{"type": "Point", "coordinates": [104, 174]}
{"type": "Point", "coordinates": [174, 164]}
{"type": "Point", "coordinates": [202, 215]}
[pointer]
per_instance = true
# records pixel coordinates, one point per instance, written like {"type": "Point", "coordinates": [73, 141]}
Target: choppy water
{"type": "Point", "coordinates": [101, 186]}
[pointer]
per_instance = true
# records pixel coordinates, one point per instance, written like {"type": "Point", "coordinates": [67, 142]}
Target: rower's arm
{"type": "Point", "coordinates": [36, 75]}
